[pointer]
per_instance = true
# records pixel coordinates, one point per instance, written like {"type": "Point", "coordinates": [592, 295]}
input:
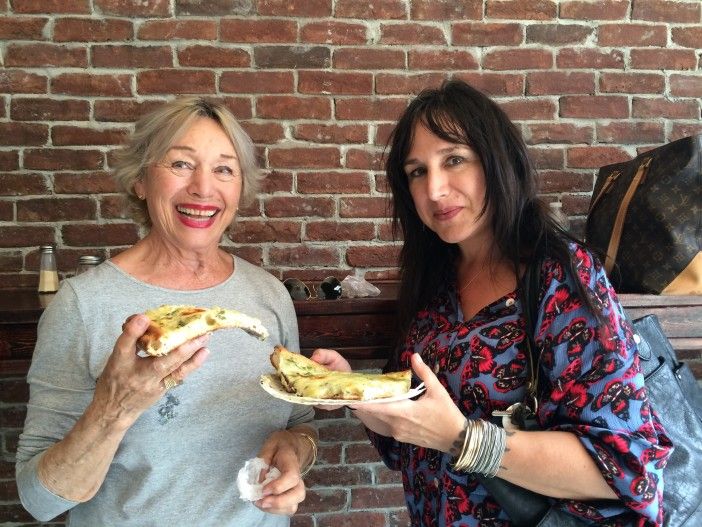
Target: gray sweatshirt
{"type": "Point", "coordinates": [177, 464]}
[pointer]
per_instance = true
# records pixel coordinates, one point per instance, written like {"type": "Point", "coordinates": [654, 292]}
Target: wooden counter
{"type": "Point", "coordinates": [360, 328]}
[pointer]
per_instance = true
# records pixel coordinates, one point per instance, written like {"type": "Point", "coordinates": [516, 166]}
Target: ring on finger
{"type": "Point", "coordinates": [171, 382]}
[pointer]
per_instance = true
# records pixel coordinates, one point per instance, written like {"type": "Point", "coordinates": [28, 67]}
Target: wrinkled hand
{"type": "Point", "coordinates": [432, 421]}
{"type": "Point", "coordinates": [130, 384]}
{"type": "Point", "coordinates": [282, 495]}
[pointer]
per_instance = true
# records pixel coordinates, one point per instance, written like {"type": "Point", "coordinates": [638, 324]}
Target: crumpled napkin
{"type": "Point", "coordinates": [357, 286]}
{"type": "Point", "coordinates": [247, 479]}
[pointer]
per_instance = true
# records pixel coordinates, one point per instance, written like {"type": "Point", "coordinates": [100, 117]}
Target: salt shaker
{"type": "Point", "coordinates": [557, 214]}
{"type": "Point", "coordinates": [85, 263]}
{"type": "Point", "coordinates": [48, 274]}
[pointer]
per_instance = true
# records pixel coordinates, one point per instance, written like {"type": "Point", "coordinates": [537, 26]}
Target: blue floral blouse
{"type": "Point", "coordinates": [592, 384]}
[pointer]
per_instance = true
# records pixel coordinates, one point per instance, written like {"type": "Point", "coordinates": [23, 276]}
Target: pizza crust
{"type": "Point", "coordinates": [173, 325]}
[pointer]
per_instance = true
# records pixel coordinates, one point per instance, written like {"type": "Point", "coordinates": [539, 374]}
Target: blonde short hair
{"type": "Point", "coordinates": [157, 131]}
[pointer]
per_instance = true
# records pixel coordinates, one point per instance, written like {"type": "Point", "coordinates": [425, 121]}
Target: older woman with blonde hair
{"type": "Point", "coordinates": [105, 438]}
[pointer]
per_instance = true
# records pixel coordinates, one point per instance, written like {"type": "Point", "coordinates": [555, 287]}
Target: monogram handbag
{"type": "Point", "coordinates": [673, 393]}
{"type": "Point", "coordinates": [645, 220]}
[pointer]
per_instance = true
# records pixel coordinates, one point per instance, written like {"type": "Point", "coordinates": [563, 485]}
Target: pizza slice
{"type": "Point", "coordinates": [306, 378]}
{"type": "Point", "coordinates": [172, 326]}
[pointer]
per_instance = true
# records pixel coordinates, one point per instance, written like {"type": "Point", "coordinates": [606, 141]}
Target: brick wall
{"type": "Point", "coordinates": [317, 84]}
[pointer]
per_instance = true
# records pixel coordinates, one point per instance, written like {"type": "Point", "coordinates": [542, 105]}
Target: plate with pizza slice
{"type": "Point", "coordinates": [303, 381]}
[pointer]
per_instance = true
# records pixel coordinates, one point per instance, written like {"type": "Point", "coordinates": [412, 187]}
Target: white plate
{"type": "Point", "coordinates": [271, 384]}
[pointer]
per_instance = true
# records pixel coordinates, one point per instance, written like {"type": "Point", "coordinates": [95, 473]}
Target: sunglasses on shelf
{"type": "Point", "coordinates": [328, 289]}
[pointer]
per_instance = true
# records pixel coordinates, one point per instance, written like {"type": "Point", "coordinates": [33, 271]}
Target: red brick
{"type": "Point", "coordinates": [666, 11]}
{"type": "Point", "coordinates": [323, 500]}
{"type": "Point", "coordinates": [631, 35]}
{"type": "Point", "coordinates": [373, 256]}
{"type": "Point", "coordinates": [277, 181]}
{"type": "Point", "coordinates": [596, 106]}
{"type": "Point", "coordinates": [392, 84]}
{"type": "Point", "coordinates": [258, 231]}
{"type": "Point", "coordinates": [13, 236]}
{"type": "Point", "coordinates": [22, 184]}
{"type": "Point", "coordinates": [335, 231]}
{"type": "Point", "coordinates": [214, 7]}
{"type": "Point", "coordinates": [399, 518]}
{"type": "Point", "coordinates": [178, 29]}
{"type": "Point", "coordinates": [371, 9]}
{"type": "Point", "coordinates": [361, 158]}
{"type": "Point", "coordinates": [680, 130]}
{"type": "Point", "coordinates": [386, 476]}
{"type": "Point", "coordinates": [564, 181]}
{"type": "Point", "coordinates": [295, 8]}
{"type": "Point", "coordinates": [299, 520]}
{"type": "Point", "coordinates": [441, 60]}
{"type": "Point", "coordinates": [518, 59]}
{"type": "Point", "coordinates": [408, 33]}
{"type": "Point", "coordinates": [14, 513]}
{"type": "Point", "coordinates": [353, 519]}
{"type": "Point", "coordinates": [295, 206]}
{"type": "Point", "coordinates": [495, 84]}
{"type": "Point", "coordinates": [62, 159]}
{"type": "Point", "coordinates": [122, 56]}
{"type": "Point", "coordinates": [632, 83]}
{"type": "Point", "coordinates": [547, 158]}
{"type": "Point", "coordinates": [343, 475]}
{"type": "Point", "coordinates": [168, 81]}
{"type": "Point", "coordinates": [333, 32]}
{"type": "Point", "coordinates": [386, 274]}
{"type": "Point", "coordinates": [331, 133]}
{"type": "Point", "coordinates": [558, 34]}
{"type": "Point", "coordinates": [636, 132]}
{"type": "Point", "coordinates": [661, 107]}
{"type": "Point", "coordinates": [333, 183]}
{"type": "Point", "coordinates": [92, 235]}
{"type": "Point", "coordinates": [213, 57]}
{"type": "Point", "coordinates": [84, 183]}
{"type": "Point", "coordinates": [51, 6]}
{"type": "Point", "coordinates": [92, 30]}
{"type": "Point", "coordinates": [252, 255]}
{"type": "Point", "coordinates": [123, 111]}
{"type": "Point", "coordinates": [239, 106]}
{"type": "Point", "coordinates": [600, 10]}
{"type": "Point", "coordinates": [257, 31]}
{"type": "Point", "coordinates": [50, 210]}
{"type": "Point", "coordinates": [361, 453]}
{"type": "Point", "coordinates": [663, 59]}
{"type": "Point", "coordinates": [363, 207]}
{"type": "Point", "coordinates": [486, 34]}
{"type": "Point", "coordinates": [267, 132]}
{"type": "Point", "coordinates": [257, 82]}
{"type": "Point", "coordinates": [7, 213]}
{"type": "Point", "coordinates": [374, 497]}
{"type": "Point", "coordinates": [689, 37]}
{"type": "Point", "coordinates": [368, 58]}
{"type": "Point", "coordinates": [567, 133]}
{"type": "Point", "coordinates": [38, 55]}
{"type": "Point", "coordinates": [9, 160]}
{"type": "Point", "coordinates": [529, 109]}
{"type": "Point", "coordinates": [133, 9]}
{"type": "Point", "coordinates": [291, 107]}
{"type": "Point", "coordinates": [376, 109]}
{"type": "Point", "coordinates": [92, 84]}
{"type": "Point", "coordinates": [295, 57]}
{"type": "Point", "coordinates": [522, 9]}
{"type": "Point", "coordinates": [559, 82]}
{"type": "Point", "coordinates": [301, 255]}
{"type": "Point", "coordinates": [591, 59]}
{"type": "Point", "coordinates": [77, 135]}
{"type": "Point", "coordinates": [16, 281]}
{"type": "Point", "coordinates": [304, 157]}
{"type": "Point", "coordinates": [595, 156]}
{"type": "Point", "coordinates": [686, 85]}
{"type": "Point", "coordinates": [17, 81]}
{"type": "Point", "coordinates": [335, 82]}
{"type": "Point", "coordinates": [113, 207]}
{"type": "Point", "coordinates": [446, 10]}
{"type": "Point", "coordinates": [23, 134]}
{"type": "Point", "coordinates": [22, 28]}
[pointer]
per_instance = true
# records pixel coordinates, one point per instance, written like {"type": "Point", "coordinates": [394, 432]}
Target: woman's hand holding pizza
{"type": "Point", "coordinates": [130, 384]}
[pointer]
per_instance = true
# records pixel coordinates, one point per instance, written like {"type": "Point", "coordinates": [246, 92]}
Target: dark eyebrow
{"type": "Point", "coordinates": [447, 150]}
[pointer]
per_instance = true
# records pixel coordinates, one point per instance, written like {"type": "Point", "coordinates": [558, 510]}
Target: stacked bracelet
{"type": "Point", "coordinates": [314, 453]}
{"type": "Point", "coordinates": [483, 447]}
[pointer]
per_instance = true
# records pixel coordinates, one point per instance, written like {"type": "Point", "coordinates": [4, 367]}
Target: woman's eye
{"type": "Point", "coordinates": [454, 160]}
{"type": "Point", "coordinates": [224, 170]}
{"type": "Point", "coordinates": [181, 165]}
{"type": "Point", "coordinates": [417, 172]}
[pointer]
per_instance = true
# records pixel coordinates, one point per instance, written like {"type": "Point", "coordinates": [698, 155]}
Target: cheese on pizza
{"type": "Point", "coordinates": [172, 326]}
{"type": "Point", "coordinates": [306, 378]}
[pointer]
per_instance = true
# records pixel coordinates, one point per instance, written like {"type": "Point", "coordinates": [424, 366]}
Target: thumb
{"type": "Point", "coordinates": [133, 328]}
{"type": "Point", "coordinates": [424, 372]}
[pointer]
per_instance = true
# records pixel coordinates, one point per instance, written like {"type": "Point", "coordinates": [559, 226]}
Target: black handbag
{"type": "Point", "coordinates": [644, 219]}
{"type": "Point", "coordinates": [672, 391]}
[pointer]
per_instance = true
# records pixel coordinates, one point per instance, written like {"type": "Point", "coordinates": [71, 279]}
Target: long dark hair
{"type": "Point", "coordinates": [523, 229]}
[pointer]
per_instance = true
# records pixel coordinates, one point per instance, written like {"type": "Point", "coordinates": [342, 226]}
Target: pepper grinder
{"type": "Point", "coordinates": [48, 274]}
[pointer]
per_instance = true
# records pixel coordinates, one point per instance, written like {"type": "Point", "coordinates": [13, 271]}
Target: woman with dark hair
{"type": "Point", "coordinates": [465, 201]}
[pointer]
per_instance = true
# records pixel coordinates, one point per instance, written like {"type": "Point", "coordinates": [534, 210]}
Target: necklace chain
{"type": "Point", "coordinates": [476, 275]}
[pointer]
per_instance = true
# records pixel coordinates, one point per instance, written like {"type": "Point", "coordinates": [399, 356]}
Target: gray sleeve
{"type": "Point", "coordinates": [61, 387]}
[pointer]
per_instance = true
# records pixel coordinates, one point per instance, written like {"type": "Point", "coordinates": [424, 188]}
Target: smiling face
{"type": "Point", "coordinates": [193, 192]}
{"type": "Point", "coordinates": [447, 184]}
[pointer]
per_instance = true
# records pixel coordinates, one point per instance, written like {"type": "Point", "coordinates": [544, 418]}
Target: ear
{"type": "Point", "coordinates": [140, 188]}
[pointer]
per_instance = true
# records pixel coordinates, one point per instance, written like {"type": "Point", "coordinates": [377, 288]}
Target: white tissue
{"type": "Point", "coordinates": [247, 479]}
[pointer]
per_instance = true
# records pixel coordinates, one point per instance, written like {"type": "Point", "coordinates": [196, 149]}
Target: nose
{"type": "Point", "coordinates": [200, 184]}
{"type": "Point", "coordinates": [437, 184]}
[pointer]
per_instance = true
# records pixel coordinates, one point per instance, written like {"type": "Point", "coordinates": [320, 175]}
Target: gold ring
{"type": "Point", "coordinates": [170, 382]}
